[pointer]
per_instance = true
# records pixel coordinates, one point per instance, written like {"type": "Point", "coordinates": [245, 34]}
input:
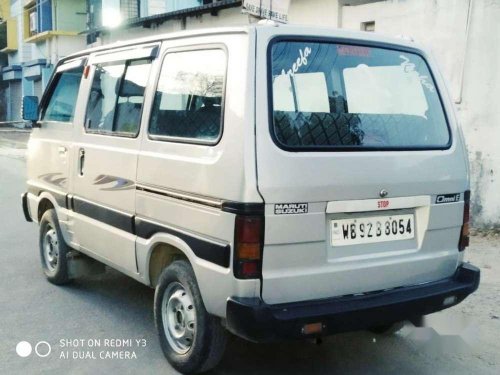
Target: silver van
{"type": "Point", "coordinates": [273, 182]}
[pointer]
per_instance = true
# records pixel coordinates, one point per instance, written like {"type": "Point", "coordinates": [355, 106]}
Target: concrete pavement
{"type": "Point", "coordinates": [79, 321]}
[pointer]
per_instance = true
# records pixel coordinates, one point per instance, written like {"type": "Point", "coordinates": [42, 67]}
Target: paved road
{"type": "Point", "coordinates": [112, 306]}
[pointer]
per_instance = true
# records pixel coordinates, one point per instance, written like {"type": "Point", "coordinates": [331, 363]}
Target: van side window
{"type": "Point", "coordinates": [189, 97]}
{"type": "Point", "coordinates": [63, 93]}
{"type": "Point", "coordinates": [116, 98]}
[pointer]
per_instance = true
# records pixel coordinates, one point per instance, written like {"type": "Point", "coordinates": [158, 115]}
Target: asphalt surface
{"type": "Point", "coordinates": [461, 340]}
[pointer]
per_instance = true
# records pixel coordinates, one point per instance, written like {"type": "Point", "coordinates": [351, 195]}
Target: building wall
{"type": "Point", "coordinates": [464, 36]}
{"type": "Point", "coordinates": [315, 12]}
{"type": "Point", "coordinates": [226, 17]}
{"type": "Point", "coordinates": [23, 52]}
{"type": "Point", "coordinates": [14, 89]}
{"type": "Point", "coordinates": [479, 111]}
{"type": "Point", "coordinates": [69, 15]}
{"type": "Point", "coordinates": [301, 11]}
{"type": "Point", "coordinates": [155, 7]}
{"type": "Point", "coordinates": [38, 57]}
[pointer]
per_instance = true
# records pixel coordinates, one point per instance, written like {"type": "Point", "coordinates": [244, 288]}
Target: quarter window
{"type": "Point", "coordinates": [116, 97]}
{"type": "Point", "coordinates": [62, 101]}
{"type": "Point", "coordinates": [189, 96]}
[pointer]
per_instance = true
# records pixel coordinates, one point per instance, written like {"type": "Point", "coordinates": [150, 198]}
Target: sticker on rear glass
{"type": "Point", "coordinates": [409, 67]}
{"type": "Point", "coordinates": [301, 61]}
{"type": "Point", "coordinates": [357, 51]}
{"type": "Point", "coordinates": [448, 198]}
{"type": "Point", "coordinates": [290, 208]}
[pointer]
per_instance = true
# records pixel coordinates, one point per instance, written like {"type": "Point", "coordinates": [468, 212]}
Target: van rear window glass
{"type": "Point", "coordinates": [336, 96]}
{"type": "Point", "coordinates": [189, 97]}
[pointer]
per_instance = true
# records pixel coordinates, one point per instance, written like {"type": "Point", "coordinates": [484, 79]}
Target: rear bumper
{"type": "Point", "coordinates": [254, 320]}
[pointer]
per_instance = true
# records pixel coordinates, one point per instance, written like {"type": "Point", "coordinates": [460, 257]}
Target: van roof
{"type": "Point", "coordinates": [280, 29]}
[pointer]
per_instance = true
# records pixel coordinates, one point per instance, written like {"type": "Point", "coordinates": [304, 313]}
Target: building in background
{"type": "Point", "coordinates": [121, 19]}
{"type": "Point", "coordinates": [37, 34]}
{"type": "Point", "coordinates": [464, 36]}
{"type": "Point", "coordinates": [4, 15]}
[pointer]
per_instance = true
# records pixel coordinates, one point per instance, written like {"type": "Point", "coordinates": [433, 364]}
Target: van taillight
{"type": "Point", "coordinates": [464, 235]}
{"type": "Point", "coordinates": [248, 243]}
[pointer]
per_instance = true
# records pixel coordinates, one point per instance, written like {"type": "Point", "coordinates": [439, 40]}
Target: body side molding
{"type": "Point", "coordinates": [237, 208]}
{"type": "Point", "coordinates": [59, 197]}
{"type": "Point", "coordinates": [204, 249]}
{"type": "Point", "coordinates": [210, 251]}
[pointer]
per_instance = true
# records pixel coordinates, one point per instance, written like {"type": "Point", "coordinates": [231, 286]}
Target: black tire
{"type": "Point", "coordinates": [419, 321]}
{"type": "Point", "coordinates": [55, 272]}
{"type": "Point", "coordinates": [388, 329]}
{"type": "Point", "coordinates": [209, 340]}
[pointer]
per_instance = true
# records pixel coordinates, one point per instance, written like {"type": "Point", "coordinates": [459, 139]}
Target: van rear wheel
{"type": "Point", "coordinates": [53, 249]}
{"type": "Point", "coordinates": [192, 340]}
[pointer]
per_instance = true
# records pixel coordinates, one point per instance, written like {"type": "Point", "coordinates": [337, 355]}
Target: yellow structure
{"type": "Point", "coordinates": [8, 27]}
{"type": "Point", "coordinates": [69, 14]}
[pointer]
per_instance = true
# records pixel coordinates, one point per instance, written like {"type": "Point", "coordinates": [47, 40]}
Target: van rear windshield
{"type": "Point", "coordinates": [328, 96]}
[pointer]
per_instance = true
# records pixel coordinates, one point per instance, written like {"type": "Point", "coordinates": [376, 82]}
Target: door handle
{"type": "Point", "coordinates": [62, 150]}
{"type": "Point", "coordinates": [81, 161]}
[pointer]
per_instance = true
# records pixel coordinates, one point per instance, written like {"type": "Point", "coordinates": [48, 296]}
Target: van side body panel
{"type": "Point", "coordinates": [181, 185]}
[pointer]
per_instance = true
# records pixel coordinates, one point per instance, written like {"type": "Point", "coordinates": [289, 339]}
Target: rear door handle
{"type": "Point", "coordinates": [81, 161]}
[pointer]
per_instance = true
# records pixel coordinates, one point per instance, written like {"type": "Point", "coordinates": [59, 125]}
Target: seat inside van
{"type": "Point", "coordinates": [200, 120]}
{"type": "Point", "coordinates": [348, 129]}
{"type": "Point", "coordinates": [128, 109]}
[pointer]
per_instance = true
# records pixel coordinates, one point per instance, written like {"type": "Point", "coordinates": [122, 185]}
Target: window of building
{"type": "Point", "coordinates": [116, 97]}
{"type": "Point", "coordinates": [189, 96]}
{"type": "Point", "coordinates": [37, 17]}
{"type": "Point", "coordinates": [62, 96]}
{"type": "Point", "coordinates": [368, 26]}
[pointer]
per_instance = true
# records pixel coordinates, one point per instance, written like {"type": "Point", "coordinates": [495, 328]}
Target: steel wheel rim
{"type": "Point", "coordinates": [179, 318]}
{"type": "Point", "coordinates": [51, 249]}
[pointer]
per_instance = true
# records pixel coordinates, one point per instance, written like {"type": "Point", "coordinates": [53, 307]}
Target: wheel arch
{"type": "Point", "coordinates": [216, 283]}
{"type": "Point", "coordinates": [158, 252]}
{"type": "Point", "coordinates": [45, 203]}
{"type": "Point", "coordinates": [161, 256]}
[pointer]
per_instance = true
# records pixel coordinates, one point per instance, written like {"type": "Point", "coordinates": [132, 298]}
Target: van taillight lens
{"type": "Point", "coordinates": [464, 235]}
{"type": "Point", "coordinates": [248, 243]}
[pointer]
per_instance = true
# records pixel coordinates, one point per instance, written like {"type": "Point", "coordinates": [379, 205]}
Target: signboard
{"type": "Point", "coordinates": [276, 10]}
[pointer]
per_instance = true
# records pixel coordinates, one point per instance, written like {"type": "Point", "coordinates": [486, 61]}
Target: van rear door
{"type": "Point", "coordinates": [355, 151]}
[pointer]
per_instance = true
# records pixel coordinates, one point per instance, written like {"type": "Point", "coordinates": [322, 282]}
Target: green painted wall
{"type": "Point", "coordinates": [69, 15]}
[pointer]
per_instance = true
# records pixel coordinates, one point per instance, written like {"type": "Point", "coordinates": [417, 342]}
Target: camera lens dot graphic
{"type": "Point", "coordinates": [23, 349]}
{"type": "Point", "coordinates": [43, 349]}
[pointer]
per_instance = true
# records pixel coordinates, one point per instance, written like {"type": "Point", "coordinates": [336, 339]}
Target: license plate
{"type": "Point", "coordinates": [365, 230]}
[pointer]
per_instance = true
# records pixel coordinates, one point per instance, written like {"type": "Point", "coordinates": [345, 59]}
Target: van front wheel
{"type": "Point", "coordinates": [192, 340]}
{"type": "Point", "coordinates": [53, 249]}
